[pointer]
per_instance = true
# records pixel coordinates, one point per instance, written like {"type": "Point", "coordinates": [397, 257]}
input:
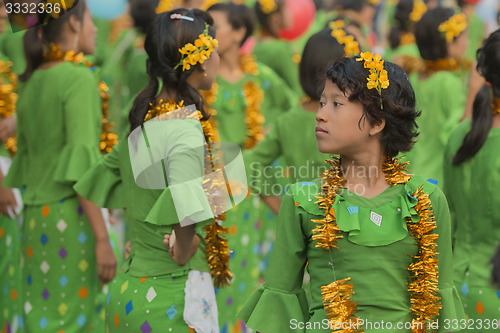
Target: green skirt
{"type": "Point", "coordinates": [59, 272]}
{"type": "Point", "coordinates": [148, 304]}
{"type": "Point", "coordinates": [10, 277]}
{"type": "Point", "coordinates": [482, 307]}
{"type": "Point", "coordinates": [251, 235]}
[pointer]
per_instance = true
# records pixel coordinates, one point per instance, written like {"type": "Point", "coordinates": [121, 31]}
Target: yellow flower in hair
{"type": "Point", "coordinates": [338, 34]}
{"type": "Point", "coordinates": [198, 52]}
{"type": "Point", "coordinates": [378, 78]}
{"type": "Point", "coordinates": [209, 3]}
{"type": "Point", "coordinates": [338, 24]}
{"type": "Point", "coordinates": [56, 8]}
{"type": "Point", "coordinates": [268, 6]}
{"type": "Point", "coordinates": [419, 9]}
{"type": "Point", "coordinates": [165, 6]}
{"type": "Point", "coordinates": [351, 46]}
{"type": "Point", "coordinates": [374, 2]}
{"type": "Point", "coordinates": [453, 27]}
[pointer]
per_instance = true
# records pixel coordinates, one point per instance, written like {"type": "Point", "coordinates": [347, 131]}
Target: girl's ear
{"type": "Point", "coordinates": [377, 128]}
{"type": "Point", "coordinates": [74, 24]}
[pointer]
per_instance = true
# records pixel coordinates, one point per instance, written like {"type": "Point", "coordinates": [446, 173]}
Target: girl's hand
{"type": "Point", "coordinates": [173, 248]}
{"type": "Point", "coordinates": [8, 201]}
{"type": "Point", "coordinates": [127, 249]}
{"type": "Point", "coordinates": [106, 260]}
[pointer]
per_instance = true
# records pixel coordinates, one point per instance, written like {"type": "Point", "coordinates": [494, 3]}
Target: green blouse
{"type": "Point", "coordinates": [472, 191]}
{"type": "Point", "coordinates": [230, 104]}
{"type": "Point", "coordinates": [302, 158]}
{"type": "Point", "coordinates": [151, 213]}
{"type": "Point", "coordinates": [441, 99]}
{"type": "Point", "coordinates": [278, 55]}
{"type": "Point", "coordinates": [11, 45]}
{"type": "Point", "coordinates": [374, 256]}
{"type": "Point", "coordinates": [58, 132]}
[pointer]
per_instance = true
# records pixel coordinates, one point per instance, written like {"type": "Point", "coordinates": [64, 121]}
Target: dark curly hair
{"type": "Point", "coordinates": [162, 45]}
{"type": "Point", "coordinates": [398, 101]}
{"type": "Point", "coordinates": [430, 41]}
{"type": "Point", "coordinates": [402, 22]}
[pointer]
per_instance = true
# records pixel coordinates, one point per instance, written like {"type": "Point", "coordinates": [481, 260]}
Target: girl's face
{"type": "Point", "coordinates": [212, 67]}
{"type": "Point", "coordinates": [285, 16]}
{"type": "Point", "coordinates": [87, 35]}
{"type": "Point", "coordinates": [3, 15]}
{"type": "Point", "coordinates": [227, 36]}
{"type": "Point", "coordinates": [457, 48]}
{"type": "Point", "coordinates": [339, 127]}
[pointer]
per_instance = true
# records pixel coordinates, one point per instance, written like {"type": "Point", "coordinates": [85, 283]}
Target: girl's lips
{"type": "Point", "coordinates": [320, 131]}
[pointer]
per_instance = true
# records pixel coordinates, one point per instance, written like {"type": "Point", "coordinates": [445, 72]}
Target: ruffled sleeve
{"type": "Point", "coordinates": [102, 184]}
{"type": "Point", "coordinates": [74, 161]}
{"type": "Point", "coordinates": [281, 294]}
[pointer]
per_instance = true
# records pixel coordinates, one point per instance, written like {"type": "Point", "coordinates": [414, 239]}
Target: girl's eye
{"type": "Point", "coordinates": [336, 104]}
{"type": "Point", "coordinates": [321, 104]}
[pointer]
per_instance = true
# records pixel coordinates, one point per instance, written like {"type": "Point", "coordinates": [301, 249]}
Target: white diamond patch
{"type": "Point", "coordinates": [151, 295]}
{"type": "Point", "coordinates": [61, 225]}
{"type": "Point", "coordinates": [27, 307]}
{"type": "Point", "coordinates": [376, 218]}
{"type": "Point", "coordinates": [44, 267]}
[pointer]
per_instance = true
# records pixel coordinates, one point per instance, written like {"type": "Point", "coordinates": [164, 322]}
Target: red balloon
{"type": "Point", "coordinates": [303, 13]}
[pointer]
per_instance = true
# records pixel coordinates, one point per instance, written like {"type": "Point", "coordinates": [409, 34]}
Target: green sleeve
{"type": "Point", "coordinates": [18, 172]}
{"type": "Point", "coordinates": [281, 294]}
{"type": "Point", "coordinates": [452, 307]}
{"type": "Point", "coordinates": [259, 159]}
{"type": "Point", "coordinates": [453, 105]}
{"type": "Point", "coordinates": [102, 184]}
{"type": "Point", "coordinates": [82, 121]}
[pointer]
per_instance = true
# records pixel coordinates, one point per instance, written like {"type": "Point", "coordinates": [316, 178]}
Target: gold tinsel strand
{"type": "Point", "coordinates": [496, 105]}
{"type": "Point", "coordinates": [337, 296]}
{"type": "Point", "coordinates": [432, 66]}
{"type": "Point", "coordinates": [217, 251]}
{"type": "Point", "coordinates": [8, 99]}
{"type": "Point", "coordinates": [107, 138]}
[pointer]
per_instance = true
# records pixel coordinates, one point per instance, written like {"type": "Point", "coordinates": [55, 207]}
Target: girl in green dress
{"type": "Point", "coordinates": [268, 44]}
{"type": "Point", "coordinates": [65, 244]}
{"type": "Point", "coordinates": [375, 240]}
{"type": "Point", "coordinates": [247, 98]}
{"type": "Point", "coordinates": [471, 186]}
{"type": "Point", "coordinates": [361, 13]}
{"type": "Point", "coordinates": [441, 37]}
{"type": "Point", "coordinates": [164, 285]}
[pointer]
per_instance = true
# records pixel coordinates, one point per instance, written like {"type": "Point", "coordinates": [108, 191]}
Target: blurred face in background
{"type": "Point", "coordinates": [87, 35]}
{"type": "Point", "coordinates": [3, 15]}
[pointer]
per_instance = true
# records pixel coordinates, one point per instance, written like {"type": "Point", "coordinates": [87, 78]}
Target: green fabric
{"type": "Point", "coordinates": [12, 46]}
{"type": "Point", "coordinates": [378, 274]}
{"type": "Point", "coordinates": [300, 152]}
{"type": "Point", "coordinates": [441, 99]}
{"type": "Point", "coordinates": [58, 132]}
{"type": "Point", "coordinates": [402, 50]}
{"type": "Point", "coordinates": [230, 104]}
{"type": "Point", "coordinates": [151, 213]}
{"type": "Point", "coordinates": [472, 191]}
{"type": "Point", "coordinates": [476, 31]}
{"type": "Point", "coordinates": [278, 55]}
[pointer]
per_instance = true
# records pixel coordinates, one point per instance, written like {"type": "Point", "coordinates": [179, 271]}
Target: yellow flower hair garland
{"type": "Point", "coordinates": [351, 46]}
{"type": "Point", "coordinates": [209, 3]}
{"type": "Point", "coordinates": [108, 139]}
{"type": "Point", "coordinates": [8, 99]}
{"type": "Point", "coordinates": [378, 78]}
{"type": "Point", "coordinates": [216, 248]}
{"type": "Point", "coordinates": [192, 54]}
{"type": "Point", "coordinates": [337, 296]}
{"type": "Point", "coordinates": [165, 6]}
{"type": "Point", "coordinates": [254, 120]}
{"type": "Point", "coordinates": [453, 27]}
{"type": "Point", "coordinates": [55, 8]}
{"type": "Point", "coordinates": [419, 9]}
{"type": "Point", "coordinates": [268, 6]}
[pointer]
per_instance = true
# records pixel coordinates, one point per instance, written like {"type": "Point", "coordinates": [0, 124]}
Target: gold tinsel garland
{"type": "Point", "coordinates": [108, 139]}
{"type": "Point", "coordinates": [496, 105]}
{"type": "Point", "coordinates": [254, 96]}
{"type": "Point", "coordinates": [337, 296]}
{"type": "Point", "coordinates": [216, 248]}
{"type": "Point", "coordinates": [432, 66]}
{"type": "Point", "coordinates": [8, 98]}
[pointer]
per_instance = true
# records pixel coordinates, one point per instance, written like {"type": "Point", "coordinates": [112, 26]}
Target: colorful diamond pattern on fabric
{"type": "Point", "coordinates": [2, 231]}
{"type": "Point", "coordinates": [43, 323]}
{"type": "Point", "coordinates": [117, 320]}
{"type": "Point", "coordinates": [479, 308]}
{"type": "Point", "coordinates": [45, 211]}
{"type": "Point", "coordinates": [44, 239]}
{"type": "Point", "coordinates": [32, 224]}
{"type": "Point", "coordinates": [29, 251]}
{"type": "Point", "coordinates": [171, 312]}
{"type": "Point", "coordinates": [82, 237]}
{"type": "Point", "coordinates": [63, 309]}
{"type": "Point", "coordinates": [151, 295]}
{"type": "Point", "coordinates": [83, 292]}
{"type": "Point", "coordinates": [83, 265]}
{"type": "Point", "coordinates": [124, 287]}
{"type": "Point", "coordinates": [44, 267]}
{"type": "Point", "coordinates": [108, 298]}
{"type": "Point", "coordinates": [45, 294]}
{"type": "Point", "coordinates": [61, 225]}
{"type": "Point", "coordinates": [63, 253]}
{"type": "Point", "coordinates": [353, 210]}
{"type": "Point", "coordinates": [145, 328]}
{"type": "Point", "coordinates": [464, 289]}
{"type": "Point", "coordinates": [129, 307]}
{"type": "Point", "coordinates": [81, 320]}
{"type": "Point", "coordinates": [80, 210]}
{"type": "Point", "coordinates": [29, 280]}
{"type": "Point", "coordinates": [63, 281]}
{"type": "Point", "coordinates": [27, 307]}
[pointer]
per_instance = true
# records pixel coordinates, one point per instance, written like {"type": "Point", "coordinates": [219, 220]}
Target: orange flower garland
{"type": "Point", "coordinates": [496, 106]}
{"type": "Point", "coordinates": [8, 98]}
{"type": "Point", "coordinates": [216, 248]}
{"type": "Point", "coordinates": [337, 296]}
{"type": "Point", "coordinates": [108, 139]}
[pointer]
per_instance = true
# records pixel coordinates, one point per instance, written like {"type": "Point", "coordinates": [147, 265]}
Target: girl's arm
{"type": "Point", "coordinates": [106, 260]}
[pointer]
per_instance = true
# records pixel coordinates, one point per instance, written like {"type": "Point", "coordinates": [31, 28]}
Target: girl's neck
{"type": "Point", "coordinates": [230, 66]}
{"type": "Point", "coordinates": [364, 174]}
